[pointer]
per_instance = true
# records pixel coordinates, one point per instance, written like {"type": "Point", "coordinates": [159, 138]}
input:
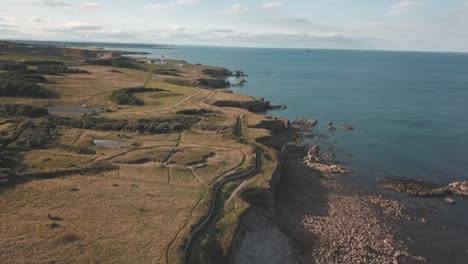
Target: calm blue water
{"type": "Point", "coordinates": [410, 109]}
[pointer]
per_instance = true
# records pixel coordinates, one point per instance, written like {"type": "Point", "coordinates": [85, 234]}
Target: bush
{"type": "Point", "coordinates": [25, 75]}
{"type": "Point", "coordinates": [33, 135]}
{"type": "Point", "coordinates": [11, 66]}
{"type": "Point", "coordinates": [215, 73]}
{"type": "Point", "coordinates": [12, 110]}
{"type": "Point", "coordinates": [194, 112]}
{"type": "Point", "coordinates": [120, 62]}
{"type": "Point", "coordinates": [170, 72]}
{"type": "Point", "coordinates": [125, 96]}
{"type": "Point", "coordinates": [43, 62]}
{"type": "Point", "coordinates": [58, 70]}
{"type": "Point", "coordinates": [149, 126]}
{"type": "Point", "coordinates": [21, 88]}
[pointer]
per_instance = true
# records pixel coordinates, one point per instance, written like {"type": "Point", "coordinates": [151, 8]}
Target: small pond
{"type": "Point", "coordinates": [107, 143]}
{"type": "Point", "coordinates": [72, 110]}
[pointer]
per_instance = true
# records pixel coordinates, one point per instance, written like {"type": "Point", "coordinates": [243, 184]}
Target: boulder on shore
{"type": "Point", "coordinates": [460, 188]}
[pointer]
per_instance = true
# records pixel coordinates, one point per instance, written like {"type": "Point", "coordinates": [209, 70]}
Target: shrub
{"type": "Point", "coordinates": [125, 96]}
{"type": "Point", "coordinates": [150, 126]}
{"type": "Point", "coordinates": [170, 72]}
{"type": "Point", "coordinates": [43, 62]}
{"type": "Point", "coordinates": [21, 88]}
{"type": "Point", "coordinates": [11, 66]}
{"type": "Point", "coordinates": [58, 70]}
{"type": "Point", "coordinates": [25, 75]}
{"type": "Point", "coordinates": [120, 62]}
{"type": "Point", "coordinates": [194, 111]}
{"type": "Point", "coordinates": [11, 110]}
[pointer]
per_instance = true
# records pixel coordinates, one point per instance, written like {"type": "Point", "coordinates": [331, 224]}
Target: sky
{"type": "Point", "coordinates": [425, 25]}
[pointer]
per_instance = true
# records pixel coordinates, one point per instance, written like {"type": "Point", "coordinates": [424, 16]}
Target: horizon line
{"type": "Point", "coordinates": [229, 46]}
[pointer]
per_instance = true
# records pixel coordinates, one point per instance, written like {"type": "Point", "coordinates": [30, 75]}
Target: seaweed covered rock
{"type": "Point", "coordinates": [459, 188]}
{"type": "Point", "coordinates": [414, 187]}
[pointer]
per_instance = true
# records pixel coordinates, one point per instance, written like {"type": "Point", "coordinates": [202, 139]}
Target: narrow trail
{"type": "Point", "coordinates": [148, 79]}
{"type": "Point", "coordinates": [169, 175]}
{"type": "Point", "coordinates": [174, 105]}
{"type": "Point", "coordinates": [77, 138]}
{"type": "Point", "coordinates": [206, 223]}
{"type": "Point", "coordinates": [198, 203]}
{"type": "Point", "coordinates": [173, 151]}
{"type": "Point", "coordinates": [197, 177]}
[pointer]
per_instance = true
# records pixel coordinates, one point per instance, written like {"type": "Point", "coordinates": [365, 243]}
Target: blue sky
{"type": "Point", "coordinates": [439, 25]}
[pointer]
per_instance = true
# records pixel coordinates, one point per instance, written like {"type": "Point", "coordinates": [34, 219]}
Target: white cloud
{"type": "Point", "coordinates": [91, 5]}
{"type": "Point", "coordinates": [52, 3]}
{"type": "Point", "coordinates": [77, 26]}
{"type": "Point", "coordinates": [403, 7]}
{"type": "Point", "coordinates": [170, 5]}
{"type": "Point", "coordinates": [238, 8]}
{"type": "Point", "coordinates": [36, 19]}
{"type": "Point", "coordinates": [269, 5]}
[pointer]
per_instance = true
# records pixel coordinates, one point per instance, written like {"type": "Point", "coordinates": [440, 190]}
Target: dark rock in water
{"type": "Point", "coordinates": [450, 201]}
{"type": "Point", "coordinates": [347, 127]}
{"type": "Point", "coordinates": [414, 187]}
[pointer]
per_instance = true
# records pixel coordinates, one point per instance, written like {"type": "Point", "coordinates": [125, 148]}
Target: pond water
{"type": "Point", "coordinates": [72, 110]}
{"type": "Point", "coordinates": [108, 143]}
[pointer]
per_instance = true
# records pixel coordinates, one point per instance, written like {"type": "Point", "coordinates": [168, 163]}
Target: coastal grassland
{"type": "Point", "coordinates": [103, 218]}
{"type": "Point", "coordinates": [52, 159]}
{"type": "Point", "coordinates": [20, 57]}
{"type": "Point", "coordinates": [144, 211]}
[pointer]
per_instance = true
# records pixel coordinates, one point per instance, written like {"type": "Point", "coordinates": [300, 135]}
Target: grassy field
{"type": "Point", "coordinates": [143, 211]}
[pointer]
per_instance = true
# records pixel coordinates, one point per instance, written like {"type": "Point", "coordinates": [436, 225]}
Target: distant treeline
{"type": "Point", "coordinates": [24, 75]}
{"type": "Point", "coordinates": [12, 66]}
{"type": "Point", "coordinates": [14, 110]}
{"type": "Point", "coordinates": [22, 85]}
{"type": "Point", "coordinates": [121, 62]}
{"type": "Point", "coordinates": [125, 96]}
{"type": "Point", "coordinates": [42, 62]}
{"type": "Point", "coordinates": [171, 124]}
{"type": "Point", "coordinates": [58, 70]}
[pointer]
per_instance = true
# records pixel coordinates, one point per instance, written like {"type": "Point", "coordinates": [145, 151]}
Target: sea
{"type": "Point", "coordinates": [409, 110]}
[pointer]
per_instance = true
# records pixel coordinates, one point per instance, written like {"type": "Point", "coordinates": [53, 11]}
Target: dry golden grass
{"type": "Point", "coordinates": [134, 214]}
{"type": "Point", "coordinates": [52, 160]}
{"type": "Point", "coordinates": [106, 219]}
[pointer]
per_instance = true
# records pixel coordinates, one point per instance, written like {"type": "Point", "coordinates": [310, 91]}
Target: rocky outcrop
{"type": "Point", "coordinates": [459, 188]}
{"type": "Point", "coordinates": [424, 189]}
{"type": "Point", "coordinates": [217, 72]}
{"type": "Point", "coordinates": [255, 106]}
{"type": "Point", "coordinates": [212, 83]}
